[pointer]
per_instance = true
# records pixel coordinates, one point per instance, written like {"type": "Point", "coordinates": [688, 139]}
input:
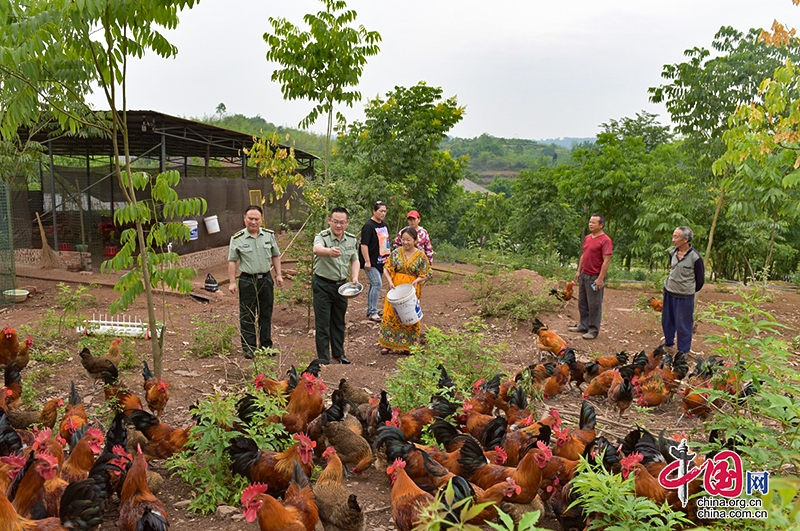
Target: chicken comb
{"type": "Point", "coordinates": [304, 440]}
{"type": "Point", "coordinates": [259, 381]}
{"type": "Point", "coordinates": [502, 456]}
{"type": "Point", "coordinates": [119, 450]}
{"type": "Point", "coordinates": [398, 463]}
{"type": "Point", "coordinates": [252, 491]}
{"type": "Point", "coordinates": [631, 460]}
{"type": "Point", "coordinates": [478, 383]}
{"type": "Point", "coordinates": [544, 449]}
{"type": "Point", "coordinates": [41, 436]}
{"type": "Point", "coordinates": [29, 341]}
{"type": "Point", "coordinates": [96, 433]}
{"type": "Point", "coordinates": [330, 450]}
{"type": "Point", "coordinates": [14, 461]}
{"type": "Point", "coordinates": [45, 455]}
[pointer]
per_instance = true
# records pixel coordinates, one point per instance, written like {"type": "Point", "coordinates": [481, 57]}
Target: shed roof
{"type": "Point", "coordinates": [183, 138]}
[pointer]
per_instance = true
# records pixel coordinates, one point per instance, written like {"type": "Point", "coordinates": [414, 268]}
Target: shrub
{"type": "Point", "coordinates": [212, 338]}
{"type": "Point", "coordinates": [463, 354]}
{"type": "Point", "coordinates": [503, 296]}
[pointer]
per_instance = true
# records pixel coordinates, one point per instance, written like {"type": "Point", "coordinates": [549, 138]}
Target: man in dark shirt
{"type": "Point", "coordinates": [375, 250]}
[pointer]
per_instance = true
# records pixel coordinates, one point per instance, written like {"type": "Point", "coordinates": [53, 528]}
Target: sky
{"type": "Point", "coordinates": [522, 68]}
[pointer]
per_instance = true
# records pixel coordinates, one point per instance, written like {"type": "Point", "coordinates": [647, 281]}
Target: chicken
{"type": "Point", "coordinates": [621, 392]}
{"type": "Point", "coordinates": [515, 441]}
{"type": "Point", "coordinates": [13, 385]}
{"type": "Point", "coordinates": [603, 364]}
{"type": "Point", "coordinates": [600, 384]}
{"type": "Point", "coordinates": [156, 391]}
{"type": "Point", "coordinates": [353, 394]}
{"type": "Point", "coordinates": [272, 468]}
{"type": "Point", "coordinates": [375, 414]}
{"type": "Point", "coordinates": [695, 400]}
{"type": "Point", "coordinates": [645, 484]}
{"type": "Point", "coordinates": [74, 418]}
{"type": "Point", "coordinates": [474, 422]}
{"type": "Point", "coordinates": [556, 383]}
{"type": "Point", "coordinates": [569, 514]}
{"type": "Point", "coordinates": [338, 509]}
{"type": "Point", "coordinates": [27, 492]}
{"type": "Point", "coordinates": [305, 403]}
{"type": "Point", "coordinates": [95, 365]}
{"type": "Point", "coordinates": [282, 387]}
{"type": "Point", "coordinates": [527, 474]}
{"type": "Point", "coordinates": [445, 383]}
{"type": "Point", "coordinates": [124, 399]}
{"type": "Point", "coordinates": [139, 509]}
{"type": "Point", "coordinates": [484, 394]}
{"type": "Point", "coordinates": [24, 355]}
{"type": "Point", "coordinates": [406, 497]}
{"type": "Point", "coordinates": [576, 368]}
{"type": "Point", "coordinates": [80, 509]}
{"type": "Point", "coordinates": [517, 410]}
{"type": "Point", "coordinates": [81, 458]}
{"type": "Point", "coordinates": [566, 294]}
{"type": "Point", "coordinates": [22, 419]}
{"type": "Point", "coordinates": [9, 345]}
{"type": "Point", "coordinates": [548, 340]}
{"type": "Point", "coordinates": [658, 386]}
{"type": "Point", "coordinates": [10, 466]}
{"type": "Point", "coordinates": [298, 512]}
{"type": "Point", "coordinates": [415, 420]}
{"type": "Point", "coordinates": [352, 448]}
{"type": "Point", "coordinates": [163, 440]}
{"type": "Point", "coordinates": [656, 304]}
{"type": "Point", "coordinates": [570, 445]}
{"type": "Point", "coordinates": [420, 467]}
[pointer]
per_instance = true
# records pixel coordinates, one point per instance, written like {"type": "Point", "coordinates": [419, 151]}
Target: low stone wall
{"type": "Point", "coordinates": [71, 260]}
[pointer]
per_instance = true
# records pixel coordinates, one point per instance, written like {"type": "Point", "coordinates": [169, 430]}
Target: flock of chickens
{"type": "Point", "coordinates": [491, 446]}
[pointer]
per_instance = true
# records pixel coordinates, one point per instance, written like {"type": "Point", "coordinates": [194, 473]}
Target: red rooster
{"type": "Point", "coordinates": [139, 508]}
{"type": "Point", "coordinates": [298, 512]}
{"type": "Point", "coordinates": [406, 497]}
{"type": "Point", "coordinates": [156, 391]}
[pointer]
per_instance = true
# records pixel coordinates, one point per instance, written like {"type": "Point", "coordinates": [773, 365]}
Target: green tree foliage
{"type": "Point", "coordinates": [51, 53]}
{"type": "Point", "coordinates": [644, 126]}
{"type": "Point", "coordinates": [323, 63]}
{"type": "Point", "coordinates": [395, 151]}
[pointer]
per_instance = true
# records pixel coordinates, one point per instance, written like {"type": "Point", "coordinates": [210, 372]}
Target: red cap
{"type": "Point", "coordinates": [413, 214]}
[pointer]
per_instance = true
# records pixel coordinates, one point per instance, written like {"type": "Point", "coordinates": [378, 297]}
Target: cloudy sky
{"type": "Point", "coordinates": [523, 68]}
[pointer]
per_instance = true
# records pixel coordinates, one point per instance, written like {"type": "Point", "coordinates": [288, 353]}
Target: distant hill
{"type": "Point", "coordinates": [568, 141]}
{"type": "Point", "coordinates": [490, 156]}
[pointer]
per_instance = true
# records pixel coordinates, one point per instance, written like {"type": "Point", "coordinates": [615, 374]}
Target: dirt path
{"type": "Point", "coordinates": [446, 304]}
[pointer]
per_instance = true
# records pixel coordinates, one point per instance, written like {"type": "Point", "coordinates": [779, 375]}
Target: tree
{"type": "Point", "coordinates": [321, 64]}
{"type": "Point", "coordinates": [395, 151]}
{"type": "Point", "coordinates": [645, 126]}
{"type": "Point", "coordinates": [51, 53]}
{"type": "Point", "coordinates": [704, 91]}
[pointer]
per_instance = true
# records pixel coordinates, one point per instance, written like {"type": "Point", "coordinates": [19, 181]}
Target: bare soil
{"type": "Point", "coordinates": [447, 304]}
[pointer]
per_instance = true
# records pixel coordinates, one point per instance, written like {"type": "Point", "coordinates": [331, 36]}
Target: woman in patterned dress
{"type": "Point", "coordinates": [406, 265]}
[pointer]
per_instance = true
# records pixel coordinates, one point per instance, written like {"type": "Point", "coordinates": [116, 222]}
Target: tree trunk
{"type": "Point", "coordinates": [715, 219]}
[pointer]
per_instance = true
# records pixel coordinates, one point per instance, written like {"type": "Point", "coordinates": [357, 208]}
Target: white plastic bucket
{"type": "Point", "coordinates": [212, 224]}
{"type": "Point", "coordinates": [403, 299]}
{"type": "Point", "coordinates": [193, 231]}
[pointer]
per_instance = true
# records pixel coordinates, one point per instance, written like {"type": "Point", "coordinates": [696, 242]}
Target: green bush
{"type": "Point", "coordinates": [204, 462]}
{"type": "Point", "coordinates": [462, 352]}
{"type": "Point", "coordinates": [503, 295]}
{"type": "Point", "coordinates": [212, 338]}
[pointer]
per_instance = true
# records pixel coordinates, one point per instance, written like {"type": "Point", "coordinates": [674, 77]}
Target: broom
{"type": "Point", "coordinates": [49, 259]}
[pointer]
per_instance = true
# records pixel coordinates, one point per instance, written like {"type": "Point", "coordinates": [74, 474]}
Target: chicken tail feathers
{"type": "Point", "coordinates": [244, 454]}
{"type": "Point", "coordinates": [152, 521]}
{"type": "Point", "coordinates": [472, 457]}
{"type": "Point", "coordinates": [299, 476]}
{"type": "Point", "coordinates": [588, 419]}
{"type": "Point", "coordinates": [147, 374]}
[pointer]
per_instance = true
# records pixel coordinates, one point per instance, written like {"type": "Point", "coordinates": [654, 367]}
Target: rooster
{"type": "Point", "coordinates": [139, 509]}
{"type": "Point", "coordinates": [283, 387]}
{"type": "Point", "coordinates": [484, 394]}
{"type": "Point", "coordinates": [547, 339]}
{"type": "Point", "coordinates": [527, 474]}
{"type": "Point", "coordinates": [272, 468]}
{"type": "Point", "coordinates": [27, 492]}
{"type": "Point", "coordinates": [695, 398]}
{"type": "Point", "coordinates": [24, 355]}
{"type": "Point", "coordinates": [126, 401]}
{"type": "Point", "coordinates": [566, 294]}
{"type": "Point", "coordinates": [556, 383]}
{"type": "Point", "coordinates": [81, 458]}
{"type": "Point", "coordinates": [74, 418]}
{"type": "Point", "coordinates": [298, 512]}
{"type": "Point", "coordinates": [305, 403]}
{"type": "Point", "coordinates": [416, 419]}
{"type": "Point", "coordinates": [621, 392]}
{"type": "Point", "coordinates": [156, 391]}
{"type": "Point", "coordinates": [657, 386]}
{"type": "Point", "coordinates": [423, 470]}
{"type": "Point", "coordinates": [656, 304]}
{"type": "Point", "coordinates": [569, 444]}
{"type": "Point", "coordinates": [9, 345]}
{"type": "Point", "coordinates": [516, 440]}
{"type": "Point", "coordinates": [22, 419]}
{"type": "Point", "coordinates": [374, 414]}
{"type": "Point", "coordinates": [406, 497]}
{"type": "Point", "coordinates": [164, 441]}
{"type": "Point", "coordinates": [603, 364]}
{"type": "Point", "coordinates": [338, 509]}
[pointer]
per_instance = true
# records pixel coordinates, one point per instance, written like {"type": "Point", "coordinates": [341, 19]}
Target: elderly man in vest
{"type": "Point", "coordinates": [686, 277]}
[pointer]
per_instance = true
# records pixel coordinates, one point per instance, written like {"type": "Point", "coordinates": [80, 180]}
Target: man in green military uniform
{"type": "Point", "coordinates": [257, 252]}
{"type": "Point", "coordinates": [335, 262]}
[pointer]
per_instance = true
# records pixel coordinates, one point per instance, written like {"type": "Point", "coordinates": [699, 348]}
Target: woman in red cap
{"type": "Point", "coordinates": [423, 240]}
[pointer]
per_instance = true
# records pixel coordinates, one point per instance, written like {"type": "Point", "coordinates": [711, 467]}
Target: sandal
{"type": "Point", "coordinates": [385, 351]}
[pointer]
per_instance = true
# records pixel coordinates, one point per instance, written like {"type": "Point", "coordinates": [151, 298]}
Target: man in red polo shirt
{"type": "Point", "coordinates": [591, 277]}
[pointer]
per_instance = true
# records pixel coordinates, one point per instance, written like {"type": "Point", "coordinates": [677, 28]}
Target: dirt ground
{"type": "Point", "coordinates": [447, 304]}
